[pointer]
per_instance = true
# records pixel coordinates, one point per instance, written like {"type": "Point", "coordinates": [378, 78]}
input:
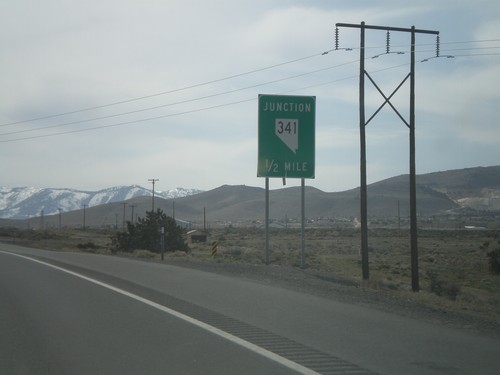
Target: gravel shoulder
{"type": "Point", "coordinates": [326, 285]}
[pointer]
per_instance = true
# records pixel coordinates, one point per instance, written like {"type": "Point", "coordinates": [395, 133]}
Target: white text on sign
{"type": "Point", "coordinates": [286, 107]}
{"type": "Point", "coordinates": [274, 167]}
{"type": "Point", "coordinates": [293, 166]}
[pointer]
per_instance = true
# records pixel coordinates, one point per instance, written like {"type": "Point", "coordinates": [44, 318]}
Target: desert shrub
{"type": "Point", "coordinates": [494, 261]}
{"type": "Point", "coordinates": [145, 254]}
{"type": "Point", "coordinates": [27, 234]}
{"type": "Point", "coordinates": [37, 235]}
{"type": "Point", "coordinates": [493, 257]}
{"type": "Point", "coordinates": [442, 288]}
{"type": "Point", "coordinates": [8, 232]}
{"type": "Point", "coordinates": [87, 246]}
{"type": "Point", "coordinates": [485, 245]}
{"type": "Point", "coordinates": [145, 234]}
{"type": "Point", "coordinates": [235, 252]}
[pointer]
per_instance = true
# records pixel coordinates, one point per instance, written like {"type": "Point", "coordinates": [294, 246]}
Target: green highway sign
{"type": "Point", "coordinates": [286, 136]}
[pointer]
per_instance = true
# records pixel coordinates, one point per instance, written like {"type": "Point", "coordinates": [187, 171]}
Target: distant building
{"type": "Point", "coordinates": [196, 235]}
{"type": "Point", "coordinates": [183, 224]}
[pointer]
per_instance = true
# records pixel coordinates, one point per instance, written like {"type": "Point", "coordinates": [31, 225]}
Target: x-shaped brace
{"type": "Point", "coordinates": [387, 99]}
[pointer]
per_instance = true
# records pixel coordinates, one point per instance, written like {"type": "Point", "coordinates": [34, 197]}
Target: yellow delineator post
{"type": "Point", "coordinates": [214, 248]}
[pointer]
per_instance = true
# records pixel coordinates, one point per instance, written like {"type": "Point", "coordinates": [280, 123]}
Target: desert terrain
{"type": "Point", "coordinates": [457, 287]}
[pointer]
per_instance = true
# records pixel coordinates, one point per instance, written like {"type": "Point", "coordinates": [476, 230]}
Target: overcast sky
{"type": "Point", "coordinates": [101, 93]}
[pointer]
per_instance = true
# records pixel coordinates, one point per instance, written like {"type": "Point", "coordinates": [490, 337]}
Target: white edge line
{"type": "Point", "coordinates": [247, 345]}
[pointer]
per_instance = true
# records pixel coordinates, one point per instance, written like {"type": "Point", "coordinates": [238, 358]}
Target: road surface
{"type": "Point", "coordinates": [83, 313]}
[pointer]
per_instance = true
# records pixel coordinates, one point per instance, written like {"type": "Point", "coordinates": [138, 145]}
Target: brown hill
{"type": "Point", "coordinates": [437, 193]}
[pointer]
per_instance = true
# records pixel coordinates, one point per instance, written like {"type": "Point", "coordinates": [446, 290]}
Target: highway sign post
{"type": "Point", "coordinates": [286, 136]}
{"type": "Point", "coordinates": [286, 146]}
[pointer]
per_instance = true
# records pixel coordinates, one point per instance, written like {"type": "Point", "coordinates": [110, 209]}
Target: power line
{"type": "Point", "coordinates": [204, 97]}
{"type": "Point", "coordinates": [210, 82]}
{"type": "Point", "coordinates": [128, 122]}
{"type": "Point", "coordinates": [179, 102]}
{"type": "Point", "coordinates": [477, 54]}
{"type": "Point", "coordinates": [233, 91]}
{"type": "Point", "coordinates": [192, 110]}
{"type": "Point", "coordinates": [411, 125]}
{"type": "Point", "coordinates": [185, 112]}
{"type": "Point", "coordinates": [419, 45]}
{"type": "Point", "coordinates": [163, 92]}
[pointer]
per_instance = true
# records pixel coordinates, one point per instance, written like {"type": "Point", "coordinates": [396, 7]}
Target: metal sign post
{"type": "Point", "coordinates": [267, 221]}
{"type": "Point", "coordinates": [286, 147]}
{"type": "Point", "coordinates": [303, 224]}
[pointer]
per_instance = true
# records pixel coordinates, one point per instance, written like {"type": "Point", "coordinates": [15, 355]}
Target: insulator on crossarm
{"type": "Point", "coordinates": [388, 42]}
{"type": "Point", "coordinates": [437, 46]}
{"type": "Point", "coordinates": [336, 38]}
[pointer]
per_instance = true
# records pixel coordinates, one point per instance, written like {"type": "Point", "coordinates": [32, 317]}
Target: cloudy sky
{"type": "Point", "coordinates": [101, 93]}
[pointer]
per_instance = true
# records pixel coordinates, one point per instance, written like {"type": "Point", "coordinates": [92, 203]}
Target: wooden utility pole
{"type": "Point", "coordinates": [84, 207]}
{"type": "Point", "coordinates": [123, 221]}
{"type": "Point", "coordinates": [362, 137]}
{"type": "Point", "coordinates": [153, 180]}
{"type": "Point", "coordinates": [132, 214]}
{"type": "Point", "coordinates": [410, 124]}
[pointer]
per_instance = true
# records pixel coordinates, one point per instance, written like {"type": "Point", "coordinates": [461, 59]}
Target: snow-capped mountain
{"type": "Point", "coordinates": [26, 202]}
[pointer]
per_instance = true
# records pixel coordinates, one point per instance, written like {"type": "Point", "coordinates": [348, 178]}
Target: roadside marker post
{"type": "Point", "coordinates": [162, 242]}
{"type": "Point", "coordinates": [214, 248]}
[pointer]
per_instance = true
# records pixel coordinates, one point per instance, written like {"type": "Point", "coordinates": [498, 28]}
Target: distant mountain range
{"type": "Point", "coordinates": [458, 195]}
{"type": "Point", "coordinates": [26, 202]}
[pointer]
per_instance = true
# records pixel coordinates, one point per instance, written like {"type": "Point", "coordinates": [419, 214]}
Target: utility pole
{"type": "Point", "coordinates": [399, 220]}
{"type": "Point", "coordinates": [204, 220]}
{"type": "Point", "coordinates": [132, 215]}
{"type": "Point", "coordinates": [84, 207]}
{"type": "Point", "coordinates": [153, 180]}
{"type": "Point", "coordinates": [123, 221]}
{"type": "Point", "coordinates": [362, 137]}
{"type": "Point", "coordinates": [410, 124]}
{"type": "Point", "coordinates": [60, 210]}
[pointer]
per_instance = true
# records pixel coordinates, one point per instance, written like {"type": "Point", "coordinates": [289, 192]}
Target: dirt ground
{"type": "Point", "coordinates": [456, 285]}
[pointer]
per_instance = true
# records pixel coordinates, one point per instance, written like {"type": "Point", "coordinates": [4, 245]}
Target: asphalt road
{"type": "Point", "coordinates": [76, 313]}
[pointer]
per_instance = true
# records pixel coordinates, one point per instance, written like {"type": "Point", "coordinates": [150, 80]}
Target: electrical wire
{"type": "Point", "coordinates": [217, 80]}
{"type": "Point", "coordinates": [180, 102]}
{"type": "Point", "coordinates": [189, 111]}
{"type": "Point", "coordinates": [477, 54]}
{"type": "Point", "coordinates": [164, 92]}
{"type": "Point", "coordinates": [206, 96]}
{"type": "Point", "coordinates": [185, 112]}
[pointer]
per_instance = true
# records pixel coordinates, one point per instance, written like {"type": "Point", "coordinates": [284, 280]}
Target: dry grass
{"type": "Point", "coordinates": [453, 266]}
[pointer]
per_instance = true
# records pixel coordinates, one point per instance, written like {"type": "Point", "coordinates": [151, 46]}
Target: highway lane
{"type": "Point", "coordinates": [54, 323]}
{"type": "Point", "coordinates": [349, 337]}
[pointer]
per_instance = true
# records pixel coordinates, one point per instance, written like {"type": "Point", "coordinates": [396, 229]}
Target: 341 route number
{"type": "Point", "coordinates": [287, 126]}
